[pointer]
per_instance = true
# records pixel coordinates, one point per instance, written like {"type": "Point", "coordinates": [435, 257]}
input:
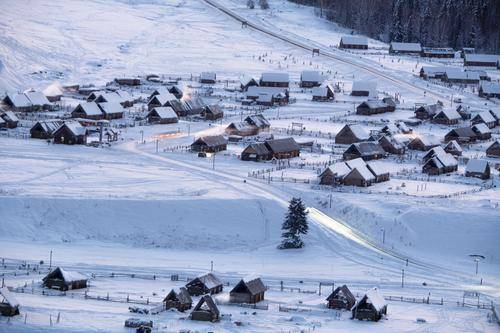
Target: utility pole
{"type": "Point", "coordinates": [383, 236]}
{"type": "Point", "coordinates": [213, 162]}
{"type": "Point", "coordinates": [330, 200]}
{"type": "Point", "coordinates": [157, 146]}
{"type": "Point", "coordinates": [50, 261]}
{"type": "Point", "coordinates": [211, 265]}
{"type": "Point", "coordinates": [402, 278]}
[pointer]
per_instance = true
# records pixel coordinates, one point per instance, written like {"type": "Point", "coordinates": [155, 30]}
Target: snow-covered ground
{"type": "Point", "coordinates": [132, 209]}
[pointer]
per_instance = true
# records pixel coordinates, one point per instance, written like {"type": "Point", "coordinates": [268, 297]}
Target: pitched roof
{"type": "Point", "coordinates": [339, 169]}
{"type": "Point", "coordinates": [259, 148]}
{"type": "Point", "coordinates": [165, 112]}
{"type": "Point", "coordinates": [481, 128]}
{"type": "Point", "coordinates": [68, 276]}
{"type": "Point", "coordinates": [9, 116]}
{"type": "Point", "coordinates": [8, 297]}
{"type": "Point", "coordinates": [311, 76]}
{"type": "Point", "coordinates": [369, 86]}
{"type": "Point", "coordinates": [111, 107]}
{"type": "Point", "coordinates": [50, 126]}
{"type": "Point", "coordinates": [282, 145]}
{"type": "Point", "coordinates": [55, 89]}
{"type": "Point", "coordinates": [258, 120]}
{"type": "Point", "coordinates": [475, 165]}
{"type": "Point", "coordinates": [354, 40]}
{"type": "Point", "coordinates": [211, 141]}
{"type": "Point", "coordinates": [256, 91]}
{"type": "Point", "coordinates": [375, 298]}
{"type": "Point", "coordinates": [368, 148]}
{"type": "Point", "coordinates": [485, 117]}
{"type": "Point", "coordinates": [447, 159]}
{"type": "Point", "coordinates": [90, 108]}
{"type": "Point", "coordinates": [208, 300]}
{"type": "Point", "coordinates": [363, 172]}
{"type": "Point", "coordinates": [37, 98]}
{"type": "Point", "coordinates": [476, 57]}
{"type": "Point", "coordinates": [454, 146]}
{"type": "Point", "coordinates": [208, 76]}
{"type": "Point", "coordinates": [429, 140]}
{"type": "Point", "coordinates": [377, 168]}
{"type": "Point", "coordinates": [358, 131]}
{"type": "Point", "coordinates": [490, 87]}
{"type": "Point", "coordinates": [360, 165]}
{"type": "Point", "coordinates": [19, 100]}
{"type": "Point", "coordinates": [408, 47]}
{"type": "Point", "coordinates": [449, 114]}
{"type": "Point", "coordinates": [456, 74]}
{"type": "Point", "coordinates": [246, 79]}
{"type": "Point", "coordinates": [74, 127]}
{"type": "Point", "coordinates": [465, 132]}
{"type": "Point", "coordinates": [340, 292]}
{"type": "Point", "coordinates": [254, 285]}
{"type": "Point", "coordinates": [275, 77]}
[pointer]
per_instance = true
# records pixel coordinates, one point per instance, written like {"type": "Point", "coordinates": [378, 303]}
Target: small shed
{"type": "Point", "coordinates": [162, 115]}
{"type": "Point", "coordinates": [351, 134]}
{"type": "Point", "coordinates": [210, 144]}
{"type": "Point", "coordinates": [379, 171]}
{"type": "Point", "coordinates": [128, 81]}
{"type": "Point", "coordinates": [9, 306]}
{"type": "Point", "coordinates": [249, 290]}
{"type": "Point", "coordinates": [353, 42]}
{"type": "Point", "coordinates": [256, 152]}
{"type": "Point", "coordinates": [206, 310]}
{"type": "Point", "coordinates": [181, 301]}
{"type": "Point", "coordinates": [478, 168]}
{"type": "Point", "coordinates": [208, 77]}
{"type": "Point", "coordinates": [371, 307]}
{"type": "Point", "coordinates": [309, 79]}
{"type": "Point", "coordinates": [88, 110]}
{"type": "Point", "coordinates": [283, 148]}
{"type": "Point", "coordinates": [71, 133]}
{"type": "Point", "coordinates": [334, 174]}
{"type": "Point", "coordinates": [204, 284]}
{"type": "Point", "coordinates": [447, 117]}
{"type": "Point", "coordinates": [212, 112]}
{"type": "Point", "coordinates": [494, 149]}
{"type": "Point", "coordinates": [259, 121]}
{"type": "Point", "coordinates": [369, 150]}
{"type": "Point", "coordinates": [9, 118]}
{"type": "Point", "coordinates": [64, 280]}
{"type": "Point", "coordinates": [44, 129]}
{"type": "Point", "coordinates": [341, 299]}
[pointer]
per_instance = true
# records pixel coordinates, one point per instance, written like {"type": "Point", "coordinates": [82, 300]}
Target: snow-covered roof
{"type": "Point", "coordinates": [364, 172]}
{"type": "Point", "coordinates": [311, 76]}
{"type": "Point", "coordinates": [490, 87]}
{"type": "Point", "coordinates": [402, 126]}
{"type": "Point", "coordinates": [450, 114]}
{"type": "Point", "coordinates": [208, 76]}
{"type": "Point", "coordinates": [429, 140]}
{"type": "Point", "coordinates": [320, 91]}
{"type": "Point", "coordinates": [8, 297]}
{"type": "Point", "coordinates": [19, 100]}
{"type": "Point", "coordinates": [67, 276]}
{"type": "Point", "coordinates": [447, 159]}
{"type": "Point", "coordinates": [475, 57]}
{"type": "Point", "coordinates": [210, 280]}
{"type": "Point", "coordinates": [55, 89]}
{"type": "Point", "coordinates": [50, 126]}
{"type": "Point", "coordinates": [391, 127]}
{"type": "Point", "coordinates": [256, 91]}
{"type": "Point", "coordinates": [485, 117]}
{"type": "Point", "coordinates": [111, 97]}
{"type": "Point", "coordinates": [455, 74]}
{"type": "Point", "coordinates": [165, 112]}
{"type": "Point", "coordinates": [9, 116]}
{"type": "Point", "coordinates": [125, 95]}
{"type": "Point", "coordinates": [408, 47]}
{"type": "Point", "coordinates": [432, 70]}
{"type": "Point", "coordinates": [374, 103]}
{"type": "Point", "coordinates": [340, 169]}
{"type": "Point", "coordinates": [91, 108]}
{"type": "Point", "coordinates": [75, 128]}
{"type": "Point", "coordinates": [495, 113]}
{"type": "Point", "coordinates": [111, 107]}
{"type": "Point", "coordinates": [37, 98]}
{"type": "Point", "coordinates": [453, 145]}
{"type": "Point", "coordinates": [354, 40]}
{"type": "Point", "coordinates": [356, 163]}
{"type": "Point", "coordinates": [377, 168]}
{"type": "Point", "coordinates": [481, 128]}
{"type": "Point", "coordinates": [369, 86]}
{"type": "Point", "coordinates": [438, 150]}
{"type": "Point", "coordinates": [475, 165]}
{"type": "Point", "coordinates": [275, 77]}
{"type": "Point", "coordinates": [246, 79]}
{"type": "Point", "coordinates": [438, 50]}
{"type": "Point", "coordinates": [376, 299]}
{"type": "Point", "coordinates": [359, 131]}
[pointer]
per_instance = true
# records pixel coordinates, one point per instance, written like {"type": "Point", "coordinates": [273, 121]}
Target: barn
{"type": "Point", "coordinates": [71, 133]}
{"type": "Point", "coordinates": [209, 144]}
{"type": "Point", "coordinates": [371, 307]}
{"type": "Point", "coordinates": [478, 169]}
{"type": "Point", "coordinates": [372, 107]}
{"type": "Point", "coordinates": [341, 299]}
{"type": "Point", "coordinates": [162, 115]}
{"type": "Point", "coordinates": [494, 149]}
{"type": "Point", "coordinates": [9, 118]}
{"type": "Point", "coordinates": [351, 134]}
{"type": "Point", "coordinates": [277, 80]}
{"type": "Point", "coordinates": [204, 284]}
{"type": "Point", "coordinates": [64, 280]}
{"type": "Point", "coordinates": [256, 152]}
{"type": "Point", "coordinates": [405, 48]}
{"type": "Point", "coordinates": [283, 148]}
{"type": "Point", "coordinates": [181, 301]}
{"type": "Point", "coordinates": [250, 290]}
{"type": "Point", "coordinates": [359, 176]}
{"type": "Point", "coordinates": [9, 306]}
{"type": "Point", "coordinates": [461, 134]}
{"type": "Point", "coordinates": [369, 150]}
{"type": "Point", "coordinates": [309, 79]}
{"type": "Point", "coordinates": [353, 42]}
{"type": "Point", "coordinates": [212, 112]}
{"type": "Point", "coordinates": [208, 77]}
{"type": "Point", "coordinates": [206, 310]}
{"type": "Point", "coordinates": [259, 121]}
{"type": "Point", "coordinates": [87, 110]}
{"type": "Point", "coordinates": [446, 117]}
{"type": "Point", "coordinates": [364, 88]}
{"type": "Point", "coordinates": [437, 52]}
{"type": "Point", "coordinates": [44, 129]}
{"type": "Point", "coordinates": [484, 117]}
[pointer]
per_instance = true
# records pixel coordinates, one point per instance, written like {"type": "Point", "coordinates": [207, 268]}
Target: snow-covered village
{"type": "Point", "coordinates": [288, 166]}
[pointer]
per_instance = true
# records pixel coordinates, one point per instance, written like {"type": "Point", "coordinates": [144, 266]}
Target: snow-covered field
{"type": "Point", "coordinates": [145, 207]}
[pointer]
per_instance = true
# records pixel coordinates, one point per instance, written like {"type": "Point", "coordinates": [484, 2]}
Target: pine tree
{"type": "Point", "coordinates": [294, 225]}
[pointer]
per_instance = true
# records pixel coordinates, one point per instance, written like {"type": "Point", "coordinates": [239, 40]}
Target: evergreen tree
{"type": "Point", "coordinates": [294, 226]}
{"type": "Point", "coordinates": [251, 4]}
{"type": "Point", "coordinates": [263, 4]}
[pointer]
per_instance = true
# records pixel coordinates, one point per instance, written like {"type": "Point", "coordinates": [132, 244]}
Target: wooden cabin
{"type": "Point", "coordinates": [371, 307]}
{"type": "Point", "coordinates": [283, 148]}
{"type": "Point", "coordinates": [496, 114]}
{"type": "Point", "coordinates": [484, 117]}
{"type": "Point", "coordinates": [248, 291]}
{"type": "Point", "coordinates": [440, 164]}
{"type": "Point", "coordinates": [446, 117]}
{"type": "Point", "coordinates": [494, 149]}
{"type": "Point", "coordinates": [9, 118]}
{"type": "Point", "coordinates": [204, 284]}
{"type": "Point", "coordinates": [323, 93]}
{"type": "Point", "coordinates": [278, 80]}
{"type": "Point", "coordinates": [18, 102]}
{"type": "Point", "coordinates": [372, 107]}
{"type": "Point", "coordinates": [405, 48]}
{"type": "Point", "coordinates": [159, 99]}
{"type": "Point", "coordinates": [427, 111]}
{"type": "Point", "coordinates": [246, 82]}
{"type": "Point", "coordinates": [196, 105]}
{"type": "Point", "coordinates": [464, 112]}
{"type": "Point", "coordinates": [370, 150]}
{"type": "Point", "coordinates": [212, 112]}
{"type": "Point", "coordinates": [478, 169]}
{"type": "Point", "coordinates": [481, 60]}
{"type": "Point", "coordinates": [241, 129]}
{"type": "Point", "coordinates": [423, 143]}
{"type": "Point", "coordinates": [334, 174]}
{"type": "Point", "coordinates": [381, 174]}
{"type": "Point", "coordinates": [176, 91]}
{"type": "Point", "coordinates": [9, 306]}
{"type": "Point", "coordinates": [44, 129]}
{"type": "Point", "coordinates": [38, 101]}
{"type": "Point", "coordinates": [482, 131]}
{"type": "Point", "coordinates": [461, 135]}
{"type": "Point", "coordinates": [64, 280]}
{"type": "Point", "coordinates": [364, 88]}
{"type": "Point", "coordinates": [128, 81]}
{"type": "Point", "coordinates": [111, 110]}
{"type": "Point", "coordinates": [162, 115]}
{"type": "Point", "coordinates": [489, 90]}
{"type": "Point", "coordinates": [88, 110]}
{"type": "Point", "coordinates": [309, 79]}
{"type": "Point", "coordinates": [341, 299]}
{"type": "Point", "coordinates": [351, 134]}
{"type": "Point", "coordinates": [206, 310]}
{"type": "Point", "coordinates": [209, 144]}
{"type": "Point", "coordinates": [452, 147]}
{"type": "Point", "coordinates": [256, 152]}
{"type": "Point", "coordinates": [391, 145]}
{"type": "Point", "coordinates": [258, 121]}
{"type": "Point", "coordinates": [353, 42]}
{"type": "Point", "coordinates": [359, 176]}
{"type": "Point", "coordinates": [455, 76]}
{"type": "Point", "coordinates": [437, 52]}
{"type": "Point", "coordinates": [71, 133]}
{"type": "Point", "coordinates": [181, 301]}
{"type": "Point", "coordinates": [208, 77]}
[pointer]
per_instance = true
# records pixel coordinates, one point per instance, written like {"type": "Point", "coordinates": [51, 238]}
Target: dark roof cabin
{"type": "Point", "coordinates": [206, 310]}
{"type": "Point", "coordinates": [364, 88]}
{"type": "Point", "coordinates": [212, 112]}
{"type": "Point", "coordinates": [210, 144]}
{"type": "Point", "coordinates": [181, 301]}
{"type": "Point", "coordinates": [195, 104]}
{"type": "Point", "coordinates": [334, 174]}
{"type": "Point", "coordinates": [478, 168]}
{"type": "Point", "coordinates": [9, 306]}
{"type": "Point", "coordinates": [341, 298]}
{"type": "Point", "coordinates": [44, 129]}
{"type": "Point", "coordinates": [369, 150]}
{"type": "Point", "coordinates": [371, 307]}
{"type": "Point", "coordinates": [281, 80]}
{"type": "Point", "coordinates": [208, 77]}
{"type": "Point", "coordinates": [461, 134]}
{"type": "Point", "coordinates": [283, 148]}
{"type": "Point", "coordinates": [162, 115]}
{"type": "Point", "coordinates": [371, 107]}
{"type": "Point", "coordinates": [71, 133]}
{"type": "Point", "coordinates": [353, 42]}
{"type": "Point", "coordinates": [180, 107]}
{"type": "Point", "coordinates": [440, 164]}
{"type": "Point", "coordinates": [204, 284]}
{"type": "Point", "coordinates": [88, 110]}
{"type": "Point", "coordinates": [493, 150]}
{"type": "Point", "coordinates": [256, 152]}
{"type": "Point", "coordinates": [351, 134]}
{"type": "Point", "coordinates": [160, 99]}
{"type": "Point", "coordinates": [176, 91]}
{"type": "Point", "coordinates": [10, 120]}
{"type": "Point", "coordinates": [427, 111]}
{"type": "Point", "coordinates": [309, 79]}
{"type": "Point", "coordinates": [464, 112]}
{"type": "Point", "coordinates": [248, 291]}
{"type": "Point", "coordinates": [64, 280]}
